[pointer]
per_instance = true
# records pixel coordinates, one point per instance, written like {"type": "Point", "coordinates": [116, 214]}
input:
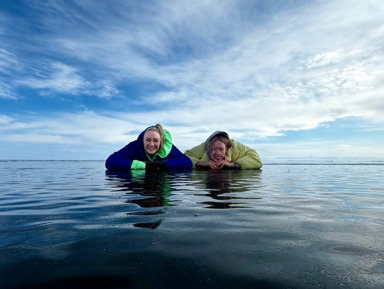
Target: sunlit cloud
{"type": "Point", "coordinates": [324, 59]}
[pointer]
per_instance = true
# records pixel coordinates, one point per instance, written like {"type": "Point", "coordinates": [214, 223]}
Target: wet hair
{"type": "Point", "coordinates": [221, 138]}
{"type": "Point", "coordinates": [160, 130]}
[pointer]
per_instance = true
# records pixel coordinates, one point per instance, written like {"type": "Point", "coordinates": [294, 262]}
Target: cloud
{"type": "Point", "coordinates": [324, 59]}
{"type": "Point", "coordinates": [58, 77]}
{"type": "Point", "coordinates": [8, 64]}
{"type": "Point", "coordinates": [7, 60]}
{"type": "Point", "coordinates": [74, 128]}
{"type": "Point", "coordinates": [4, 119]}
{"type": "Point", "coordinates": [254, 69]}
{"type": "Point", "coordinates": [93, 132]}
{"type": "Point", "coordinates": [6, 91]}
{"type": "Point", "coordinates": [61, 78]}
{"type": "Point", "coordinates": [284, 71]}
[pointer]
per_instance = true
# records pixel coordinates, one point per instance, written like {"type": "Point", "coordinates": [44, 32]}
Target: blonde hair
{"type": "Point", "coordinates": [160, 130]}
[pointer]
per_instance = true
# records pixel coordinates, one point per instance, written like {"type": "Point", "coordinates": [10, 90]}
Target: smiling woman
{"type": "Point", "coordinates": [153, 150]}
{"type": "Point", "coordinates": [221, 152]}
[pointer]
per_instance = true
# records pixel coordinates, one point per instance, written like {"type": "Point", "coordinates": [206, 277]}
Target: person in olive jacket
{"type": "Point", "coordinates": [219, 151]}
{"type": "Point", "coordinates": [153, 150]}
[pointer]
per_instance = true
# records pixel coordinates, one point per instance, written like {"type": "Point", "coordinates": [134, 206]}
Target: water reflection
{"type": "Point", "coordinates": [151, 191]}
{"type": "Point", "coordinates": [228, 188]}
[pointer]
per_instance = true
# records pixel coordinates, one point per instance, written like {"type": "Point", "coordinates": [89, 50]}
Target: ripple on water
{"type": "Point", "coordinates": [302, 226]}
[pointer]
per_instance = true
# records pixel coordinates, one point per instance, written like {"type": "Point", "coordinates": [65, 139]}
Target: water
{"type": "Point", "coordinates": [70, 224]}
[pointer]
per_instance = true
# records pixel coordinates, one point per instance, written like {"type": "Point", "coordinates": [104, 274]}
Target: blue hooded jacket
{"type": "Point", "coordinates": [133, 156]}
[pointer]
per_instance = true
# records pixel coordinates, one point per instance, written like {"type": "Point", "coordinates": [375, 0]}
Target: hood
{"type": "Point", "coordinates": [208, 141]}
{"type": "Point", "coordinates": [166, 148]}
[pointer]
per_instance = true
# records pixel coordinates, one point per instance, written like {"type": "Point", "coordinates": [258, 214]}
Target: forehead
{"type": "Point", "coordinates": [218, 144]}
{"type": "Point", "coordinates": [151, 134]}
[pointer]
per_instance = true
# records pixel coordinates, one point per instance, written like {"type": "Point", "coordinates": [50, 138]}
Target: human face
{"type": "Point", "coordinates": [218, 151]}
{"type": "Point", "coordinates": [151, 142]}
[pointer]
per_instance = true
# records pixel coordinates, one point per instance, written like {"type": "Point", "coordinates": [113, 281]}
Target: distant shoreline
{"type": "Point", "coordinates": [291, 162]}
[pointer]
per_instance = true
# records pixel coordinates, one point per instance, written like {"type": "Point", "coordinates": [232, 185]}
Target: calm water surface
{"type": "Point", "coordinates": [71, 224]}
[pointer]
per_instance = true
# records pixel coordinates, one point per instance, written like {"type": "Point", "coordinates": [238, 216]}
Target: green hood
{"type": "Point", "coordinates": [166, 148]}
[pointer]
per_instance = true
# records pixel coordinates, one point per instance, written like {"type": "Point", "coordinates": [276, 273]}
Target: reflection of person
{"type": "Point", "coordinates": [219, 151]}
{"type": "Point", "coordinates": [155, 187]}
{"type": "Point", "coordinates": [151, 191]}
{"type": "Point", "coordinates": [227, 189]}
{"type": "Point", "coordinates": [153, 149]}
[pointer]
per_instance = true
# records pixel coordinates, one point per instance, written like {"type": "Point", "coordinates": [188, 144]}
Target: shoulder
{"type": "Point", "coordinates": [236, 143]}
{"type": "Point", "coordinates": [239, 147]}
{"type": "Point", "coordinates": [134, 147]}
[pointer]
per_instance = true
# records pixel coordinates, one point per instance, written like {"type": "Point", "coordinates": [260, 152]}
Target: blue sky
{"type": "Point", "coordinates": [80, 79]}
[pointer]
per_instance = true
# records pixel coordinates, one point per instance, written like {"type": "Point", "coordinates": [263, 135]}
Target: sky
{"type": "Point", "coordinates": [291, 79]}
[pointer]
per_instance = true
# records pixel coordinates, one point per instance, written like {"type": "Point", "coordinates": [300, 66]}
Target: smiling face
{"type": "Point", "coordinates": [151, 142]}
{"type": "Point", "coordinates": [218, 151]}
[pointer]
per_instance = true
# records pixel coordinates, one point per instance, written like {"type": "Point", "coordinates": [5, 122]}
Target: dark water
{"type": "Point", "coordinates": [72, 225]}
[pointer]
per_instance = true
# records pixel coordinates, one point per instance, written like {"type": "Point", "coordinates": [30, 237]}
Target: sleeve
{"type": "Point", "coordinates": [246, 157]}
{"type": "Point", "coordinates": [196, 153]}
{"type": "Point", "coordinates": [125, 159]}
{"type": "Point", "coordinates": [177, 160]}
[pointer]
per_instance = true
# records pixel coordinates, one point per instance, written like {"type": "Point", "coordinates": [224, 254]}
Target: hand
{"type": "Point", "coordinates": [219, 164]}
{"type": "Point", "coordinates": [211, 164]}
{"type": "Point", "coordinates": [155, 166]}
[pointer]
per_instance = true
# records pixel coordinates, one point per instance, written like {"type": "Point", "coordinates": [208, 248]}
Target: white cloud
{"type": "Point", "coordinates": [78, 128]}
{"type": "Point", "coordinates": [267, 65]}
{"type": "Point", "coordinates": [58, 77]}
{"type": "Point", "coordinates": [324, 59]}
{"type": "Point", "coordinates": [7, 60]}
{"type": "Point", "coordinates": [4, 119]}
{"type": "Point", "coordinates": [219, 67]}
{"type": "Point", "coordinates": [6, 91]}
{"type": "Point", "coordinates": [62, 78]}
{"type": "Point", "coordinates": [106, 134]}
{"type": "Point", "coordinates": [8, 64]}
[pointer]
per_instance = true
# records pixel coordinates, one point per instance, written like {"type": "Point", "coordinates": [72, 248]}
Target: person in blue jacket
{"type": "Point", "coordinates": [153, 150]}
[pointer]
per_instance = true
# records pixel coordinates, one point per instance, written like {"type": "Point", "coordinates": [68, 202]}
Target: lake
{"type": "Point", "coordinates": [71, 224]}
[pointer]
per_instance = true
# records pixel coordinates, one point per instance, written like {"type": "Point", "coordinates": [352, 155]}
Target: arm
{"type": "Point", "coordinates": [177, 160]}
{"type": "Point", "coordinates": [246, 157]}
{"type": "Point", "coordinates": [224, 163]}
{"type": "Point", "coordinates": [125, 159]}
{"type": "Point", "coordinates": [197, 155]}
